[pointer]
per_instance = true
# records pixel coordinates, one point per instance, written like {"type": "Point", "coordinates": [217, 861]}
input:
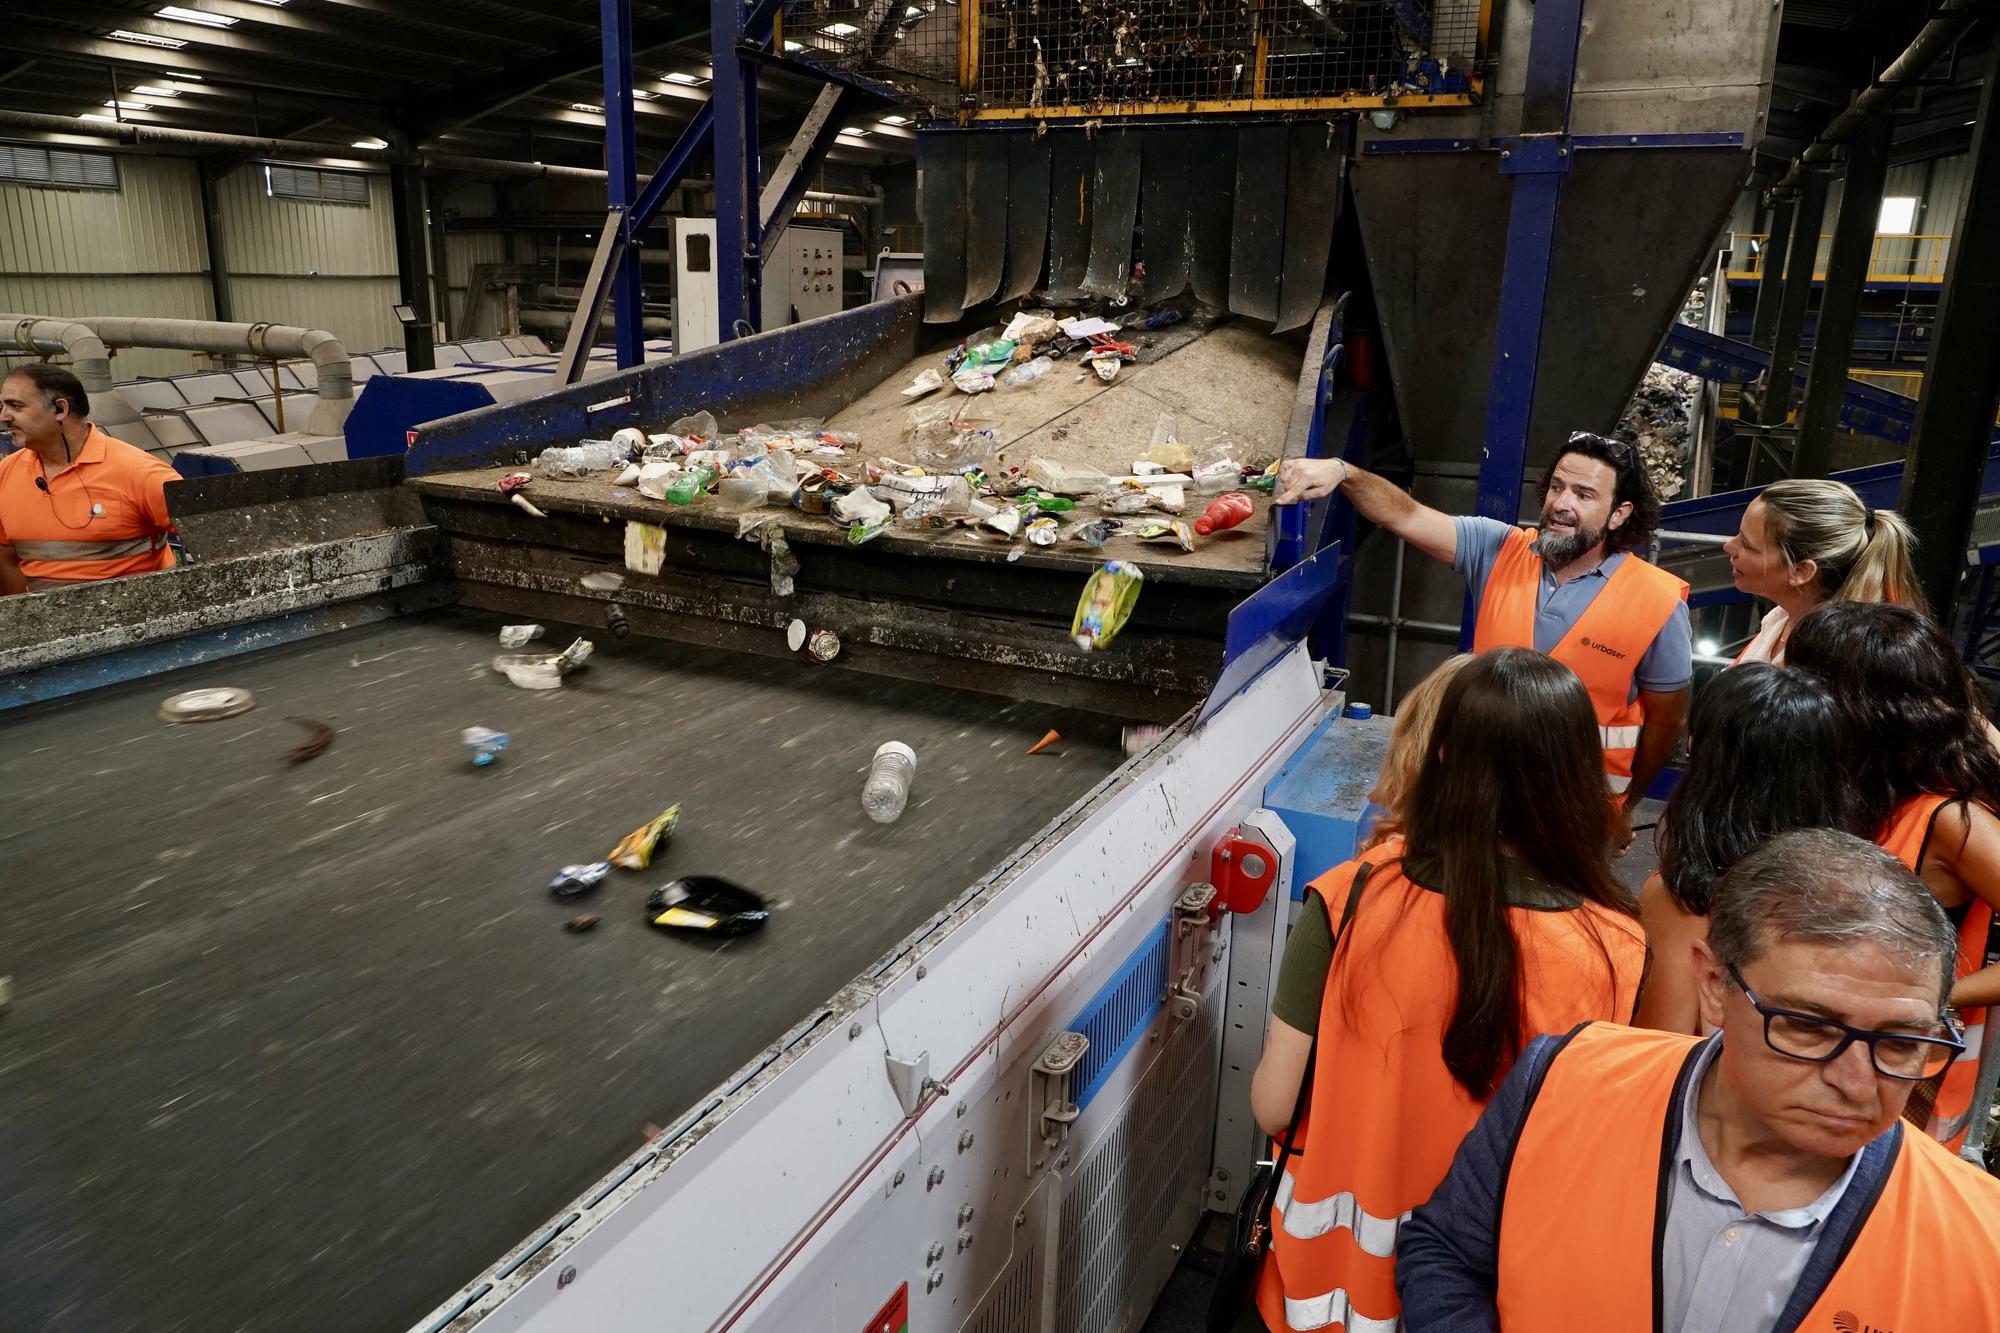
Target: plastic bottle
{"type": "Point", "coordinates": [1225, 511]}
{"type": "Point", "coordinates": [694, 481]}
{"type": "Point", "coordinates": [1027, 372]}
{"type": "Point", "coordinates": [889, 782]}
{"type": "Point", "coordinates": [483, 745]}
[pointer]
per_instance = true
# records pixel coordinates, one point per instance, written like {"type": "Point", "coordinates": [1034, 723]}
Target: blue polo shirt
{"type": "Point", "coordinates": [1668, 663]}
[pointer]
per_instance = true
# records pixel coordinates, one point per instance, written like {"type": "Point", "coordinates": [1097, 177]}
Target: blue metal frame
{"type": "Point", "coordinates": [621, 162]}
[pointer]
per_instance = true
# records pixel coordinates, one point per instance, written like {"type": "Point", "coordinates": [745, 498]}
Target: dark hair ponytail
{"type": "Point", "coordinates": [1515, 762]}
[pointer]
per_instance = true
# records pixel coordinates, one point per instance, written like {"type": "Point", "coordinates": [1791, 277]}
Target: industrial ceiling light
{"type": "Point", "coordinates": [840, 30]}
{"type": "Point", "coordinates": [128, 106]}
{"type": "Point", "coordinates": [98, 115]}
{"type": "Point", "coordinates": [854, 134]}
{"type": "Point", "coordinates": [146, 39]}
{"type": "Point", "coordinates": [794, 46]}
{"type": "Point", "coordinates": [586, 108]}
{"type": "Point", "coordinates": [181, 14]}
{"type": "Point", "coordinates": [687, 80]}
{"type": "Point", "coordinates": [886, 120]}
{"type": "Point", "coordinates": [154, 90]}
{"type": "Point", "coordinates": [641, 95]}
{"type": "Point", "coordinates": [370, 143]}
{"type": "Point", "coordinates": [185, 78]}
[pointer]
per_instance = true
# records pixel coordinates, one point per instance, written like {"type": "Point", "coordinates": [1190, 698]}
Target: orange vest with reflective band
{"type": "Point", "coordinates": [1906, 837]}
{"type": "Point", "coordinates": [1603, 647]}
{"type": "Point", "coordinates": [1385, 1114]}
{"type": "Point", "coordinates": [1580, 1236]}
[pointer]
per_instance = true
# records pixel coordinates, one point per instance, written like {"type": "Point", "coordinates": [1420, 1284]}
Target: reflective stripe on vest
{"type": "Point", "coordinates": [1333, 1307]}
{"type": "Point", "coordinates": [1377, 1235]}
{"type": "Point", "coordinates": [1906, 837]}
{"type": "Point", "coordinates": [1585, 1181]}
{"type": "Point", "coordinates": [84, 551]}
{"type": "Point", "coordinates": [1603, 647]}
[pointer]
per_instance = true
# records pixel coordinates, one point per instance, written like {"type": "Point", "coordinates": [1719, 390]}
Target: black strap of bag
{"type": "Point", "coordinates": [1251, 1235]}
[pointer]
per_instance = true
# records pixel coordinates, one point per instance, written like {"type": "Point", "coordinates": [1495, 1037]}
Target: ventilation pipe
{"type": "Point", "coordinates": [266, 342]}
{"type": "Point", "coordinates": [89, 358]}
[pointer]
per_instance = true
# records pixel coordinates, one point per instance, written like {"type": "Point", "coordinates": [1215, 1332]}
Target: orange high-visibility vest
{"type": "Point", "coordinates": [1385, 1114]}
{"type": "Point", "coordinates": [1603, 647]}
{"type": "Point", "coordinates": [1578, 1235]}
{"type": "Point", "coordinates": [1906, 838]}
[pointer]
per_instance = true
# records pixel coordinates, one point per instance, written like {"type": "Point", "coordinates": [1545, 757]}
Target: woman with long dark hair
{"type": "Point", "coordinates": [1927, 786]}
{"type": "Point", "coordinates": [1764, 756]}
{"type": "Point", "coordinates": [1497, 918]}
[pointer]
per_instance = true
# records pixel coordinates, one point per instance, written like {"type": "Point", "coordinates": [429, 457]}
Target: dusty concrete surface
{"type": "Point", "coordinates": [307, 1047]}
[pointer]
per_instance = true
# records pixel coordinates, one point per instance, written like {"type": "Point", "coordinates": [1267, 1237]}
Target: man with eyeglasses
{"type": "Point", "coordinates": [1574, 587]}
{"type": "Point", "coordinates": [1758, 1181]}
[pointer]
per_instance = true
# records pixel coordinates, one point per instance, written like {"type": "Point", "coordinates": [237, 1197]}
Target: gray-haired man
{"type": "Point", "coordinates": [1752, 1182]}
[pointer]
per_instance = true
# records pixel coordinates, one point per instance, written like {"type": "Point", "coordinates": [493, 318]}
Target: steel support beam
{"type": "Point", "coordinates": [781, 194]}
{"type": "Point", "coordinates": [672, 171]}
{"type": "Point", "coordinates": [406, 198]}
{"type": "Point", "coordinates": [621, 160]}
{"type": "Point", "coordinates": [1804, 251]}
{"type": "Point", "coordinates": [738, 241]}
{"type": "Point", "coordinates": [211, 232]}
{"type": "Point", "coordinates": [1962, 376]}
{"type": "Point", "coordinates": [1538, 167]}
{"type": "Point", "coordinates": [1771, 287]}
{"type": "Point", "coordinates": [591, 298]}
{"type": "Point", "coordinates": [1840, 298]}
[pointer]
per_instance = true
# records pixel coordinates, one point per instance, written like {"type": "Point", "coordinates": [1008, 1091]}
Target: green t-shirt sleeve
{"type": "Point", "coordinates": [1302, 975]}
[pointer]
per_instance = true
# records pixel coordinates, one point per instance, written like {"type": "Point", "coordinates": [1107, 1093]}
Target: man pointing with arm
{"type": "Point", "coordinates": [1572, 587]}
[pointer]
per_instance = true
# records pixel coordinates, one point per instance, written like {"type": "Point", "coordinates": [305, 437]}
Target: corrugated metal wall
{"type": "Point", "coordinates": [138, 251]}
{"type": "Point", "coordinates": [328, 266]}
{"type": "Point", "coordinates": [464, 249]}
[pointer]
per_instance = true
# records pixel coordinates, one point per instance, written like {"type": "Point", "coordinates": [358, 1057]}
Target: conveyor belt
{"type": "Point", "coordinates": [304, 1047]}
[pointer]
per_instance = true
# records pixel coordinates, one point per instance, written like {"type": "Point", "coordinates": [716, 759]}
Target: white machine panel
{"type": "Point", "coordinates": [694, 285]}
{"type": "Point", "coordinates": [802, 276]}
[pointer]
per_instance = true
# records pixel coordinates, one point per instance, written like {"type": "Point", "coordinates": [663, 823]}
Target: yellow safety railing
{"type": "Point", "coordinates": [1892, 259]}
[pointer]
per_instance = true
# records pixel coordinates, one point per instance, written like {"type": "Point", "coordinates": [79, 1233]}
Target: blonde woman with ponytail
{"type": "Point", "coordinates": [1804, 543]}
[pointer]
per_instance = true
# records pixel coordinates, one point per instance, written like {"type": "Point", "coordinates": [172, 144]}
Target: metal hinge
{"type": "Point", "coordinates": [1051, 1093]}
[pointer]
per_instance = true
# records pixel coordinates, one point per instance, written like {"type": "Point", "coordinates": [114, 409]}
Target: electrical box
{"type": "Point", "coordinates": [803, 275]}
{"type": "Point", "coordinates": [694, 285]}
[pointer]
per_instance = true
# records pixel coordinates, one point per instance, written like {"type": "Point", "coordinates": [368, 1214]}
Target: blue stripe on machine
{"type": "Point", "coordinates": [1119, 1012]}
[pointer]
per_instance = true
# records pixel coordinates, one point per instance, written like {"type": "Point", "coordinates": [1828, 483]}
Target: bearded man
{"type": "Point", "coordinates": [1572, 587]}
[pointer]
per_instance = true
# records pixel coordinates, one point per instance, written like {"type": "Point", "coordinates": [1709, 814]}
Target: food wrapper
{"type": "Point", "coordinates": [645, 547]}
{"type": "Point", "coordinates": [1172, 530]}
{"type": "Point", "coordinates": [636, 850]}
{"type": "Point", "coordinates": [1106, 604]}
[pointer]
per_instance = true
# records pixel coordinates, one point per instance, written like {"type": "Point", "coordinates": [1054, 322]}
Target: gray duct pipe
{"type": "Point", "coordinates": [1926, 49]}
{"type": "Point", "coordinates": [268, 342]}
{"type": "Point", "coordinates": [90, 360]}
{"type": "Point", "coordinates": [558, 322]}
{"type": "Point", "coordinates": [271, 342]}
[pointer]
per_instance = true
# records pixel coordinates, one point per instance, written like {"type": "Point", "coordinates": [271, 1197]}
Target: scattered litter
{"type": "Point", "coordinates": [207, 705]}
{"type": "Point", "coordinates": [699, 426]}
{"type": "Point", "coordinates": [1048, 738]}
{"type": "Point", "coordinates": [749, 524]}
{"type": "Point", "coordinates": [1095, 532]}
{"type": "Point", "coordinates": [581, 922]}
{"type": "Point", "coordinates": [860, 506]}
{"type": "Point", "coordinates": [520, 636]}
{"type": "Point", "coordinates": [973, 381]}
{"type": "Point", "coordinates": [543, 671]}
{"type": "Point", "coordinates": [577, 880]}
{"type": "Point", "coordinates": [1125, 502]}
{"type": "Point", "coordinates": [694, 480]}
{"type": "Point", "coordinates": [645, 548]}
{"type": "Point", "coordinates": [562, 462]}
{"type": "Point", "coordinates": [1224, 512]}
{"type": "Point", "coordinates": [784, 566]}
{"type": "Point", "coordinates": [482, 745]}
{"type": "Point", "coordinates": [866, 531]}
{"type": "Point", "coordinates": [706, 903]}
{"type": "Point", "coordinates": [1106, 604]}
{"type": "Point", "coordinates": [603, 580]}
{"type": "Point", "coordinates": [1007, 522]}
{"type": "Point", "coordinates": [637, 849]}
{"type": "Point", "coordinates": [888, 787]}
{"type": "Point", "coordinates": [655, 476]}
{"type": "Point", "coordinates": [795, 635]}
{"type": "Point", "coordinates": [614, 620]}
{"type": "Point", "coordinates": [1142, 737]}
{"type": "Point", "coordinates": [929, 380]}
{"type": "Point", "coordinates": [319, 735]}
{"type": "Point", "coordinates": [1027, 372]}
{"type": "Point", "coordinates": [630, 476]}
{"type": "Point", "coordinates": [824, 645]}
{"type": "Point", "coordinates": [510, 486]}
{"type": "Point", "coordinates": [630, 438]}
{"type": "Point", "coordinates": [1105, 363]}
{"type": "Point", "coordinates": [1042, 532]}
{"type": "Point", "coordinates": [1173, 499]}
{"type": "Point", "coordinates": [1065, 478]}
{"type": "Point", "coordinates": [1085, 328]}
{"type": "Point", "coordinates": [1172, 530]}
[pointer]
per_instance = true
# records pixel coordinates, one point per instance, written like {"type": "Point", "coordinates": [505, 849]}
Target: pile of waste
{"type": "Point", "coordinates": [1657, 419]}
{"type": "Point", "coordinates": [944, 471]}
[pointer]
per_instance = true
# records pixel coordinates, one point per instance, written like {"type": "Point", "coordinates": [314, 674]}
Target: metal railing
{"type": "Point", "coordinates": [1892, 259]}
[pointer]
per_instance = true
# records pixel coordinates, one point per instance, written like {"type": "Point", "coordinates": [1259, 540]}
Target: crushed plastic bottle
{"type": "Point", "coordinates": [1027, 372]}
{"type": "Point", "coordinates": [1225, 511]}
{"type": "Point", "coordinates": [573, 463]}
{"type": "Point", "coordinates": [694, 481]}
{"type": "Point", "coordinates": [888, 786]}
{"type": "Point", "coordinates": [483, 745]}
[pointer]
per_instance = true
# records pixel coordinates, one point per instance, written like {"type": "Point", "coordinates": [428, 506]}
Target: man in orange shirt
{"type": "Point", "coordinates": [75, 504]}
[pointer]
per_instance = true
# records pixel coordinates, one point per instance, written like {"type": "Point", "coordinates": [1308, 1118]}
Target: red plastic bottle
{"type": "Point", "coordinates": [1225, 511]}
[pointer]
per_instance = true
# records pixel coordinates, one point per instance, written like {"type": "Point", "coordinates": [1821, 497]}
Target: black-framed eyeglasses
{"type": "Point", "coordinates": [1821, 1041]}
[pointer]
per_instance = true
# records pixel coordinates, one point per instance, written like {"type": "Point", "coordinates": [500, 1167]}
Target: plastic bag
{"type": "Point", "coordinates": [700, 425]}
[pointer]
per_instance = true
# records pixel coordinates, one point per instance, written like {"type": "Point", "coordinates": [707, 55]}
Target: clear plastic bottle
{"type": "Point", "coordinates": [1027, 372]}
{"type": "Point", "coordinates": [889, 782]}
